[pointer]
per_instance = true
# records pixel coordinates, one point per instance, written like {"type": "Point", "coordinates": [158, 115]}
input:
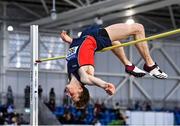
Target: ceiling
{"type": "Point", "coordinates": [155, 15]}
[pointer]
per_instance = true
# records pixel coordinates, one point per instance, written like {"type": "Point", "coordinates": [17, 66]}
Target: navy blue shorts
{"type": "Point", "coordinates": [100, 34]}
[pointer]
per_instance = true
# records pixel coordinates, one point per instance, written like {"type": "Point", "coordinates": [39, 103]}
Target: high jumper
{"type": "Point", "coordinates": [80, 58]}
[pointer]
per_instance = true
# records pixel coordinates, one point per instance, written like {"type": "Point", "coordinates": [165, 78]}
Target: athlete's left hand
{"type": "Point", "coordinates": [110, 89]}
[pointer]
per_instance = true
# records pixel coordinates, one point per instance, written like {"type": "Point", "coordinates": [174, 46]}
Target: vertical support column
{"type": "Point", "coordinates": [34, 75]}
{"type": "Point", "coordinates": [3, 56]}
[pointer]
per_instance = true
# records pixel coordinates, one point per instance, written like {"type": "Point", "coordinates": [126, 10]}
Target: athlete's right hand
{"type": "Point", "coordinates": [65, 37]}
{"type": "Point", "coordinates": [110, 89]}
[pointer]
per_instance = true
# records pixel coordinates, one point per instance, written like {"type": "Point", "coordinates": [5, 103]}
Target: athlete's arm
{"type": "Point", "coordinates": [65, 37]}
{"type": "Point", "coordinates": [92, 80]}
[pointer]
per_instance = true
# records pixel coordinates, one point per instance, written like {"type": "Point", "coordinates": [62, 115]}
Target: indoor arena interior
{"type": "Point", "coordinates": [90, 62]}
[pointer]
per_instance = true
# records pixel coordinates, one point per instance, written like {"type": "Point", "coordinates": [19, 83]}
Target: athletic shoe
{"type": "Point", "coordinates": [135, 71]}
{"type": "Point", "coordinates": [155, 71]}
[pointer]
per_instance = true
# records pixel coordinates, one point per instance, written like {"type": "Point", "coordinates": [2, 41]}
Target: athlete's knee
{"type": "Point", "coordinates": [139, 27]}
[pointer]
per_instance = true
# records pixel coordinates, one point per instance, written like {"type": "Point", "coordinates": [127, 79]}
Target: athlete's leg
{"type": "Point", "coordinates": [120, 31]}
{"type": "Point", "coordinates": [119, 52]}
{"type": "Point", "coordinates": [150, 66]}
{"type": "Point", "coordinates": [143, 47]}
{"type": "Point", "coordinates": [129, 67]}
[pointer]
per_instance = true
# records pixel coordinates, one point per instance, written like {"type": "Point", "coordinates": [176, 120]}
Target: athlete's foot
{"type": "Point", "coordinates": [110, 89]}
{"type": "Point", "coordinates": [135, 71]}
{"type": "Point", "coordinates": [155, 71]}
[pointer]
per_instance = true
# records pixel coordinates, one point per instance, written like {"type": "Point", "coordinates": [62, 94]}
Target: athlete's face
{"type": "Point", "coordinates": [74, 92]}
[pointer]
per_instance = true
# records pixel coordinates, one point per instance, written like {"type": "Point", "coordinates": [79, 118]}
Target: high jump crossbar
{"type": "Point", "coordinates": [162, 35]}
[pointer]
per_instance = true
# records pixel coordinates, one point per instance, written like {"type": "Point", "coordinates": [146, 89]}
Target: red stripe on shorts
{"type": "Point", "coordinates": [86, 51]}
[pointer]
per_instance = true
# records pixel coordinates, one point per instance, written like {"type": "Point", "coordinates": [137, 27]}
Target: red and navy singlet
{"type": "Point", "coordinates": [81, 51]}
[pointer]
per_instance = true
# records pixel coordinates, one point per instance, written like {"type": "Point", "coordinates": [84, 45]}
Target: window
{"type": "Point", "coordinates": [49, 45]}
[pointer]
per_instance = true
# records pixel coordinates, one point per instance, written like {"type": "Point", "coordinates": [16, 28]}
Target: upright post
{"type": "Point", "coordinates": [34, 76]}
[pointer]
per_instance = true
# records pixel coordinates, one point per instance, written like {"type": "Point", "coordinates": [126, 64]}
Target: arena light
{"type": "Point", "coordinates": [79, 34]}
{"type": "Point", "coordinates": [10, 28]}
{"type": "Point", "coordinates": [130, 21]}
{"type": "Point", "coordinates": [18, 63]}
{"type": "Point", "coordinates": [53, 15]}
{"type": "Point", "coordinates": [98, 20]}
{"type": "Point", "coordinates": [27, 110]}
{"type": "Point", "coordinates": [48, 64]}
{"type": "Point", "coordinates": [129, 12]}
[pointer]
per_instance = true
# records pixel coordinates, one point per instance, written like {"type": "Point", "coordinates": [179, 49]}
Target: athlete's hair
{"type": "Point", "coordinates": [84, 98]}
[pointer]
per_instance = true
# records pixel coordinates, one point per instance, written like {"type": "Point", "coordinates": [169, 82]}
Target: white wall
{"type": "Point", "coordinates": [136, 118]}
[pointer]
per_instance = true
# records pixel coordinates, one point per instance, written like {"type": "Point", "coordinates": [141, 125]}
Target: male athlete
{"type": "Point", "coordinates": [81, 52]}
